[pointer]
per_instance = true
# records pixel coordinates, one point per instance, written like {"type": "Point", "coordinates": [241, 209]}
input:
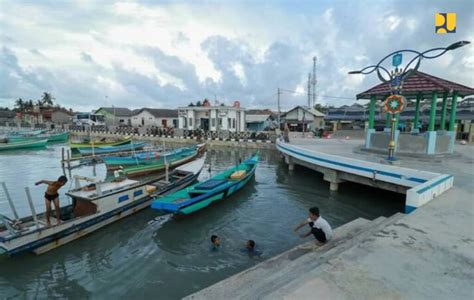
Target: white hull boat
{"type": "Point", "coordinates": [90, 210]}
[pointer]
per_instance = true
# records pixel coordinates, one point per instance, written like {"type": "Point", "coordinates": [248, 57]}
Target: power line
{"type": "Point", "coordinates": [324, 96]}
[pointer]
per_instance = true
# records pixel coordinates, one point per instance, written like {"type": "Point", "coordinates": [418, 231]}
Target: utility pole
{"type": "Point", "coordinates": [279, 124]}
{"type": "Point", "coordinates": [314, 80]}
{"type": "Point", "coordinates": [309, 90]}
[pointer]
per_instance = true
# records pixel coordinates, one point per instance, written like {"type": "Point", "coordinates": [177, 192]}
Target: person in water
{"type": "Point", "coordinates": [250, 246]}
{"type": "Point", "coordinates": [51, 194]}
{"type": "Point", "coordinates": [216, 242]}
{"type": "Point", "coordinates": [320, 228]}
{"type": "Point", "coordinates": [251, 249]}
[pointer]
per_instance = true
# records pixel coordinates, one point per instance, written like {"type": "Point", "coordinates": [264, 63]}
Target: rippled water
{"type": "Point", "coordinates": [148, 255]}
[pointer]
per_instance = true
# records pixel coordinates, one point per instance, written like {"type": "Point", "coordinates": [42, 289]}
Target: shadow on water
{"type": "Point", "coordinates": [154, 255]}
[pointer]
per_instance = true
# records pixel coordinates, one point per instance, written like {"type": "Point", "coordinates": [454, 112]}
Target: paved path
{"type": "Point", "coordinates": [428, 254]}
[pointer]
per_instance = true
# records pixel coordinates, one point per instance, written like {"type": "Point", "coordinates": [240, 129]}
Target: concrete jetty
{"type": "Point", "coordinates": [426, 254]}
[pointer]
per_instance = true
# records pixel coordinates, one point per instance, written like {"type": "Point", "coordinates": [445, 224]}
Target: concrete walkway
{"type": "Point", "coordinates": [424, 255]}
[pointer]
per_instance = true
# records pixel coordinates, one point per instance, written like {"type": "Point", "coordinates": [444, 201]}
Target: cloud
{"type": "Point", "coordinates": [135, 54]}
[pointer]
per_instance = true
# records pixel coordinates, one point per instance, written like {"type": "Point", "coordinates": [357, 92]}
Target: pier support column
{"type": "Point", "coordinates": [333, 177]}
{"type": "Point", "coordinates": [291, 165]}
{"type": "Point", "coordinates": [333, 186]}
{"type": "Point", "coordinates": [289, 161]}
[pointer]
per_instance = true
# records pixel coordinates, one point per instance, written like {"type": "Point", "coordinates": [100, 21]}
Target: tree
{"type": "Point", "coordinates": [191, 104]}
{"type": "Point", "coordinates": [47, 99]}
{"type": "Point", "coordinates": [29, 104]}
{"type": "Point", "coordinates": [198, 103]}
{"type": "Point", "coordinates": [322, 108]}
{"type": "Point", "coordinates": [19, 104]}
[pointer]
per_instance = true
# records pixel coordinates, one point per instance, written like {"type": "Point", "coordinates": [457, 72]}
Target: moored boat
{"type": "Point", "coordinates": [171, 161]}
{"type": "Point", "coordinates": [111, 149]}
{"type": "Point", "coordinates": [51, 137]}
{"type": "Point", "coordinates": [201, 195]}
{"type": "Point", "coordinates": [100, 143]}
{"type": "Point", "coordinates": [91, 209]}
{"type": "Point", "coordinates": [21, 145]}
{"type": "Point", "coordinates": [144, 158]}
{"type": "Point", "coordinates": [58, 137]}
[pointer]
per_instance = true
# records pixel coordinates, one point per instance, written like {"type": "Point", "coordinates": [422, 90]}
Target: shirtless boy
{"type": "Point", "coordinates": [51, 194]}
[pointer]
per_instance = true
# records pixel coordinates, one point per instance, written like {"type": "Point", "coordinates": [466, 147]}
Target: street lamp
{"type": "Point", "coordinates": [395, 102]}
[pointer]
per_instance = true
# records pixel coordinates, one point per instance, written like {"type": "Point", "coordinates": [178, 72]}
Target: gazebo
{"type": "Point", "coordinates": [417, 87]}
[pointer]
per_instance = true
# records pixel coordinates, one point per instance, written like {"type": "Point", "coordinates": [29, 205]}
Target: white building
{"type": "Point", "coordinates": [212, 118]}
{"type": "Point", "coordinates": [146, 117]}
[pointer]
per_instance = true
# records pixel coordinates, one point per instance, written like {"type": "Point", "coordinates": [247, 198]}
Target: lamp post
{"type": "Point", "coordinates": [395, 102]}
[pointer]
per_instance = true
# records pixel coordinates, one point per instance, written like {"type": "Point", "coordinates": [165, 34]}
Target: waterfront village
{"type": "Point", "coordinates": [300, 194]}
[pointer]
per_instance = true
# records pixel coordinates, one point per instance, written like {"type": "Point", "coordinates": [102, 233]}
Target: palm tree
{"type": "Point", "coordinates": [47, 99]}
{"type": "Point", "coordinates": [20, 104]}
{"type": "Point", "coordinates": [29, 104]}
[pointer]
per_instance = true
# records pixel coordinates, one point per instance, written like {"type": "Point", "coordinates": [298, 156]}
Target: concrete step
{"type": "Point", "coordinates": [248, 283]}
{"type": "Point", "coordinates": [307, 276]}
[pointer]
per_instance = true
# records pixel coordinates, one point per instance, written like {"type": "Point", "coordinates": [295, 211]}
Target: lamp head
{"type": "Point", "coordinates": [457, 45]}
{"type": "Point", "coordinates": [355, 72]}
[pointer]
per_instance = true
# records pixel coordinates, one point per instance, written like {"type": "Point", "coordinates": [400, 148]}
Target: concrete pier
{"type": "Point", "coordinates": [337, 162]}
{"type": "Point", "coordinates": [426, 254]}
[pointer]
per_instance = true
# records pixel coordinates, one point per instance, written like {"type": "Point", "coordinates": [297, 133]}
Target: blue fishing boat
{"type": "Point", "coordinates": [111, 149]}
{"type": "Point", "coordinates": [146, 158]}
{"type": "Point", "coordinates": [201, 195]}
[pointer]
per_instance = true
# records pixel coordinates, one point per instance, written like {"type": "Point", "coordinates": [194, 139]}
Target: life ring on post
{"type": "Point", "coordinates": [394, 104]}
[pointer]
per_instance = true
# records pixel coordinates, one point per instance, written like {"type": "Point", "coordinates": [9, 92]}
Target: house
{"type": "Point", "coordinates": [212, 118]}
{"type": "Point", "coordinates": [57, 116]}
{"type": "Point", "coordinates": [42, 115]}
{"type": "Point", "coordinates": [155, 117]}
{"type": "Point", "coordinates": [116, 115]}
{"type": "Point", "coordinates": [304, 118]}
{"type": "Point", "coordinates": [260, 119]}
{"type": "Point", "coordinates": [7, 116]}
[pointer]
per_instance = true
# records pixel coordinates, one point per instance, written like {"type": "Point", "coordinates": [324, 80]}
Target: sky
{"type": "Point", "coordinates": [166, 54]}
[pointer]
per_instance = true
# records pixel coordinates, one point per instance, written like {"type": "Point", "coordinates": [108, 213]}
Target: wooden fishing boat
{"type": "Point", "coordinates": [90, 210]}
{"type": "Point", "coordinates": [89, 144]}
{"type": "Point", "coordinates": [112, 149]}
{"type": "Point", "coordinates": [201, 195]}
{"type": "Point", "coordinates": [144, 158]}
{"type": "Point", "coordinates": [51, 137]}
{"type": "Point", "coordinates": [160, 165]}
{"type": "Point", "coordinates": [58, 137]}
{"type": "Point", "coordinates": [21, 145]}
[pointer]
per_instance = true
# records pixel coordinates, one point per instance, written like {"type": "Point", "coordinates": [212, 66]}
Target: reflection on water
{"type": "Point", "coordinates": [153, 255]}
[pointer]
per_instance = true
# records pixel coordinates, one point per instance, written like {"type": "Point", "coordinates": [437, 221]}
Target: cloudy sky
{"type": "Point", "coordinates": [169, 53]}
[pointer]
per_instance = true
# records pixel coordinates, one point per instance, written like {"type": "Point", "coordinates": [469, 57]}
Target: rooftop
{"type": "Point", "coordinates": [159, 112]}
{"type": "Point", "coordinates": [257, 118]}
{"type": "Point", "coordinates": [419, 82]}
{"type": "Point", "coordinates": [117, 111]}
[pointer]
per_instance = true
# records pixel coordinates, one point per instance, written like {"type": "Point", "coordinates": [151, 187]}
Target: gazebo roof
{"type": "Point", "coordinates": [418, 82]}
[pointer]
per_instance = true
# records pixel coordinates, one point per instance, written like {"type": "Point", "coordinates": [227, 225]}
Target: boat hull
{"type": "Point", "coordinates": [111, 149]}
{"type": "Point", "coordinates": [193, 198]}
{"type": "Point", "coordinates": [141, 159]}
{"type": "Point", "coordinates": [22, 145]}
{"type": "Point", "coordinates": [56, 236]}
{"type": "Point", "coordinates": [142, 170]}
{"type": "Point", "coordinates": [100, 144]}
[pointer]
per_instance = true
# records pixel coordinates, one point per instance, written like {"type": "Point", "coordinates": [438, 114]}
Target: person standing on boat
{"type": "Point", "coordinates": [320, 228]}
{"type": "Point", "coordinates": [51, 194]}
